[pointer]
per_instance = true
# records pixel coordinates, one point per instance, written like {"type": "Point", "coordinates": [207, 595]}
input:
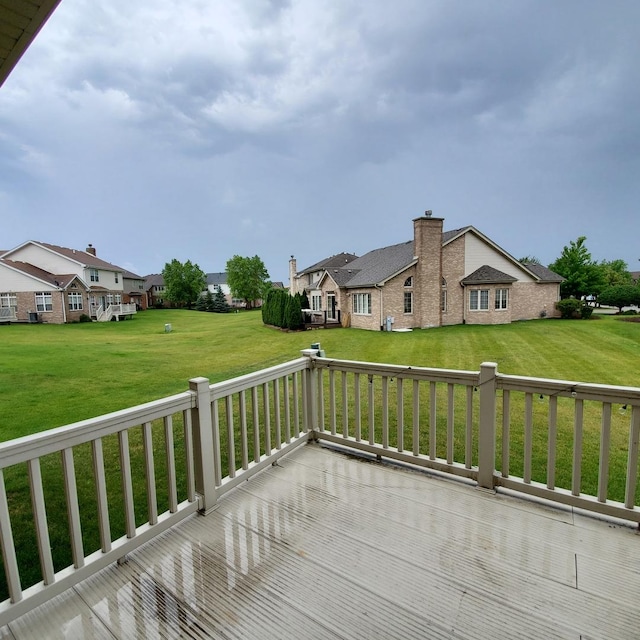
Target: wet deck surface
{"type": "Point", "coordinates": [327, 546]}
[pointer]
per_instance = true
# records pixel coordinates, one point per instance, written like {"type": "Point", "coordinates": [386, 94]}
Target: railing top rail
{"type": "Point", "coordinates": [241, 383]}
{"type": "Point", "coordinates": [568, 388]}
{"type": "Point", "coordinates": [54, 440]}
{"type": "Point", "coordinates": [403, 371]}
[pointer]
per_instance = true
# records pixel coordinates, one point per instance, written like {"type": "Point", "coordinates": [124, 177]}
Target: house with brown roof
{"type": "Point", "coordinates": [41, 282]}
{"type": "Point", "coordinates": [438, 278]}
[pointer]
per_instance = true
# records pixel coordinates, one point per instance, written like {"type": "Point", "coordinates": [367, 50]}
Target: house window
{"type": "Point", "coordinates": [316, 302]}
{"type": "Point", "coordinates": [443, 296]}
{"type": "Point", "coordinates": [94, 276]}
{"type": "Point", "coordinates": [75, 301]}
{"type": "Point", "coordinates": [118, 298]}
{"type": "Point", "coordinates": [44, 301]}
{"type": "Point", "coordinates": [409, 282]}
{"type": "Point", "coordinates": [479, 299]}
{"type": "Point", "coordinates": [8, 301]}
{"type": "Point", "coordinates": [502, 298]}
{"type": "Point", "coordinates": [408, 301]}
{"type": "Point", "coordinates": [362, 304]}
{"type": "Point", "coordinates": [116, 277]}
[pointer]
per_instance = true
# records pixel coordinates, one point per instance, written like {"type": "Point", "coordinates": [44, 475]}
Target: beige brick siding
{"type": "Point", "coordinates": [490, 315]}
{"type": "Point", "coordinates": [428, 281]}
{"type": "Point", "coordinates": [453, 272]}
{"type": "Point", "coordinates": [27, 303]}
{"type": "Point", "coordinates": [531, 299]}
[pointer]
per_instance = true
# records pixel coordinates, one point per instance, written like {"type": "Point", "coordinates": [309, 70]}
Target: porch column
{"type": "Point", "coordinates": [487, 428]}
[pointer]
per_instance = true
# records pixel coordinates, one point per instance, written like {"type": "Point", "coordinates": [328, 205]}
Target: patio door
{"type": "Point", "coordinates": [331, 306]}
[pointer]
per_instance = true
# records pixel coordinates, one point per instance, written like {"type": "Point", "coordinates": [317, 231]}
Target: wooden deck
{"type": "Point", "coordinates": [323, 545]}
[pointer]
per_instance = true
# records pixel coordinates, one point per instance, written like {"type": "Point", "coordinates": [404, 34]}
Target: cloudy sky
{"type": "Point", "coordinates": [200, 129]}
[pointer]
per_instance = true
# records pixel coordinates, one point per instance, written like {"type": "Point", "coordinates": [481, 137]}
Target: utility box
{"type": "Point", "coordinates": [167, 328]}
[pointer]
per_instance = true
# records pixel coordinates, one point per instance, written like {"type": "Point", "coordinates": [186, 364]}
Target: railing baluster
{"type": "Point", "coordinates": [345, 407]}
{"type": "Point", "coordinates": [231, 444]}
{"type": "Point", "coordinates": [433, 419]}
{"type": "Point", "coordinates": [370, 398]}
{"type": "Point", "coordinates": [170, 457]}
{"type": "Point", "coordinates": [267, 418]}
{"type": "Point", "coordinates": [256, 423]}
{"type": "Point", "coordinates": [320, 399]}
{"type": "Point", "coordinates": [605, 445]}
{"type": "Point", "coordinates": [528, 436]}
{"type": "Point", "coordinates": [450, 422]}
{"type": "Point", "coordinates": [40, 518]}
{"type": "Point", "coordinates": [632, 461]}
{"type": "Point", "coordinates": [101, 495]}
{"type": "Point", "coordinates": [356, 407]}
{"type": "Point", "coordinates": [296, 404]}
{"type": "Point", "coordinates": [287, 410]}
{"type": "Point", "coordinates": [217, 445]}
{"type": "Point", "coordinates": [385, 412]}
{"type": "Point", "coordinates": [416, 417]}
{"type": "Point", "coordinates": [400, 418]}
{"type": "Point", "coordinates": [468, 445]}
{"type": "Point", "coordinates": [576, 478]}
{"type": "Point", "coordinates": [73, 509]}
{"type": "Point", "coordinates": [9, 559]}
{"type": "Point", "coordinates": [150, 474]}
{"type": "Point", "coordinates": [127, 483]}
{"type": "Point", "coordinates": [244, 444]}
{"type": "Point", "coordinates": [506, 424]}
{"type": "Point", "coordinates": [332, 401]}
{"type": "Point", "coordinates": [552, 443]}
{"type": "Point", "coordinates": [277, 414]}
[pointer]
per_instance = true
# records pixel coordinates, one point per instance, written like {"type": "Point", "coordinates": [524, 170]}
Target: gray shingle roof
{"type": "Point", "coordinates": [332, 262]}
{"type": "Point", "coordinates": [217, 278]}
{"type": "Point", "coordinates": [545, 275]}
{"type": "Point", "coordinates": [375, 267]}
{"type": "Point", "coordinates": [488, 275]}
{"type": "Point", "coordinates": [154, 280]}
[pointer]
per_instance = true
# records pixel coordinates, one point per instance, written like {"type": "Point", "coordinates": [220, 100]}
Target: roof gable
{"type": "Point", "coordinates": [488, 275]}
{"type": "Point", "coordinates": [332, 262]}
{"type": "Point", "coordinates": [379, 265]}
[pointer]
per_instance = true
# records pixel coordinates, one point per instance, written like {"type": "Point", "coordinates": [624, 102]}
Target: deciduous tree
{"type": "Point", "coordinates": [184, 282]}
{"type": "Point", "coordinates": [581, 273]}
{"type": "Point", "coordinates": [248, 279]}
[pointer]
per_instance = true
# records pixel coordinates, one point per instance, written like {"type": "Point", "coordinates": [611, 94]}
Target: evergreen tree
{"type": "Point", "coordinates": [219, 303]}
{"type": "Point", "coordinates": [209, 300]}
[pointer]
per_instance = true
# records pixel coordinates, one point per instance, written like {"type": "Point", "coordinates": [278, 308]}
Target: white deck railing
{"type": "Point", "coordinates": [96, 486]}
{"type": "Point", "coordinates": [116, 311]}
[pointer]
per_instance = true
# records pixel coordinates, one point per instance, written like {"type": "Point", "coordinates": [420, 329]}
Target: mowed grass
{"type": "Point", "coordinates": [51, 375]}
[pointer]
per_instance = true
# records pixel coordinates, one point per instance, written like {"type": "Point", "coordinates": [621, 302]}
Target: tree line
{"type": "Point", "coordinates": [186, 284]}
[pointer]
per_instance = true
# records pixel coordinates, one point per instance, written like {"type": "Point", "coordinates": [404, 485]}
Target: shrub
{"type": "Point", "coordinates": [569, 308]}
{"type": "Point", "coordinates": [84, 318]}
{"type": "Point", "coordinates": [629, 312]}
{"type": "Point", "coordinates": [586, 312]}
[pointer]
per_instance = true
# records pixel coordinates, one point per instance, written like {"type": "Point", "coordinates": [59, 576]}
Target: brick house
{"type": "Point", "coordinates": [48, 283]}
{"type": "Point", "coordinates": [437, 279]}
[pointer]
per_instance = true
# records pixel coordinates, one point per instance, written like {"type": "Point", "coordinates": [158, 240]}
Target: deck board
{"type": "Point", "coordinates": [324, 545]}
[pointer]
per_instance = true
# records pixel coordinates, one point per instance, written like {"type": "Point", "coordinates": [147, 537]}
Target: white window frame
{"type": "Point", "coordinates": [44, 301]}
{"type": "Point", "coordinates": [8, 301]}
{"type": "Point", "coordinates": [408, 298]}
{"type": "Point", "coordinates": [316, 302]}
{"type": "Point", "coordinates": [362, 304]}
{"type": "Point", "coordinates": [479, 300]}
{"type": "Point", "coordinates": [502, 299]}
{"type": "Point", "coordinates": [75, 301]}
{"type": "Point", "coordinates": [94, 275]}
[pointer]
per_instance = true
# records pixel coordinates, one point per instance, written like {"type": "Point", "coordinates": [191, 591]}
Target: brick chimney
{"type": "Point", "coordinates": [427, 248]}
{"type": "Point", "coordinates": [293, 283]}
{"type": "Point", "coordinates": [91, 249]}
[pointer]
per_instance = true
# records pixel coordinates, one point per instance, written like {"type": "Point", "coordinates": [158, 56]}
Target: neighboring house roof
{"type": "Point", "coordinates": [277, 285]}
{"type": "Point", "coordinates": [375, 267]}
{"type": "Point", "coordinates": [488, 275]}
{"type": "Point", "coordinates": [60, 281]}
{"type": "Point", "coordinates": [130, 275]}
{"type": "Point", "coordinates": [216, 278]}
{"type": "Point", "coordinates": [20, 22]}
{"type": "Point", "coordinates": [154, 280]}
{"type": "Point", "coordinates": [545, 275]}
{"type": "Point", "coordinates": [635, 275]}
{"type": "Point", "coordinates": [80, 257]}
{"type": "Point", "coordinates": [337, 261]}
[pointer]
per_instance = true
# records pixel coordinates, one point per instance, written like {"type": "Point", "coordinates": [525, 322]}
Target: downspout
{"type": "Point", "coordinates": [64, 308]}
{"type": "Point", "coordinates": [379, 288]}
{"type": "Point", "coordinates": [464, 304]}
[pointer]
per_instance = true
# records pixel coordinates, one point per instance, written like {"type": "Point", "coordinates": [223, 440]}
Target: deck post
{"type": "Point", "coordinates": [310, 397]}
{"type": "Point", "coordinates": [203, 444]}
{"type": "Point", "coordinates": [487, 427]}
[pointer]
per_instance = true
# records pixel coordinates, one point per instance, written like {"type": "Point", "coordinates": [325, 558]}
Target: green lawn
{"type": "Point", "coordinates": [51, 375]}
